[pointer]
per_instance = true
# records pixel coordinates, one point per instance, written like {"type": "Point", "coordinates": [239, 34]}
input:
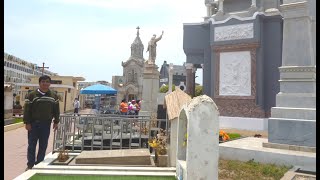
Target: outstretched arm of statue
{"type": "Point", "coordinates": [147, 49]}
{"type": "Point", "coordinates": [157, 39]}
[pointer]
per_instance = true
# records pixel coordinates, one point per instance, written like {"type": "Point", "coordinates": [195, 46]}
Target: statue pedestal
{"type": "Point", "coordinates": [150, 88]}
{"type": "Point", "coordinates": [293, 120]}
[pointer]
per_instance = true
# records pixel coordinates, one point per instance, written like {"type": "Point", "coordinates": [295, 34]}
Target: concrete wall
{"type": "Point", "coordinates": [8, 103]}
{"type": "Point", "coordinates": [243, 123]}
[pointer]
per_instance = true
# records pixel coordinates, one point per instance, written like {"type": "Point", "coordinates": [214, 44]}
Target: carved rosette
{"type": "Point", "coordinates": [237, 106]}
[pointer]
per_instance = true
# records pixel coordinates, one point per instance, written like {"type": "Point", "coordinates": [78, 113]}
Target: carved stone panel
{"type": "Point", "coordinates": [233, 32]}
{"type": "Point", "coordinates": [237, 96]}
{"type": "Point", "coordinates": [235, 73]}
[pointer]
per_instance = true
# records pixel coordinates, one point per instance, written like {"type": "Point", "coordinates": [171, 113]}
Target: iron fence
{"type": "Point", "coordinates": [105, 131]}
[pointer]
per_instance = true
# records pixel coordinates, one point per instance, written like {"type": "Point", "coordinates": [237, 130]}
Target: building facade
{"type": "Point", "coordinates": [64, 86]}
{"type": "Point", "coordinates": [129, 85]}
{"type": "Point", "coordinates": [8, 100]}
{"type": "Point", "coordinates": [179, 75]}
{"type": "Point", "coordinates": [239, 48]}
{"type": "Point", "coordinates": [17, 70]}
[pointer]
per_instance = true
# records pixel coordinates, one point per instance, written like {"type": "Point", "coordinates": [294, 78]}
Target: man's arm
{"type": "Point", "coordinates": [56, 110]}
{"type": "Point", "coordinates": [27, 109]}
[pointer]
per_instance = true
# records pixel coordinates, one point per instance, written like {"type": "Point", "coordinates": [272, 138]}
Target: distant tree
{"type": "Point", "coordinates": [165, 88]}
{"type": "Point", "coordinates": [198, 91]}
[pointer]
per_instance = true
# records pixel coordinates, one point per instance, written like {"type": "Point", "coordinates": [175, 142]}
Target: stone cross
{"type": "Point", "coordinates": [138, 30]}
{"type": "Point", "coordinates": [42, 68]}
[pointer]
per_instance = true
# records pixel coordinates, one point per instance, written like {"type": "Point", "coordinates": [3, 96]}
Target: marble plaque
{"type": "Point", "coordinates": [235, 73]}
{"type": "Point", "coordinates": [233, 32]}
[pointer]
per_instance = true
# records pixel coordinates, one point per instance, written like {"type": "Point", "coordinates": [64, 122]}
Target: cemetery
{"type": "Point", "coordinates": [258, 73]}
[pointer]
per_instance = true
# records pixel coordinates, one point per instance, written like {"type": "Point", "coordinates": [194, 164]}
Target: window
{"type": "Point", "coordinates": [56, 82]}
{"type": "Point", "coordinates": [60, 95]}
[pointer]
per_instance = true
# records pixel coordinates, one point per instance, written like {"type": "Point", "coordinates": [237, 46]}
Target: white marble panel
{"type": "Point", "coordinates": [233, 32]}
{"type": "Point", "coordinates": [235, 73]}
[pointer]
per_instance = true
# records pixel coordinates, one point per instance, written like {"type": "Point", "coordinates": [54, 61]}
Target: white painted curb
{"type": "Point", "coordinates": [13, 126]}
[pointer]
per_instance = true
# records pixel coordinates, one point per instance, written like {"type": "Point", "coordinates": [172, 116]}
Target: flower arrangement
{"type": "Point", "coordinates": [159, 143]}
{"type": "Point", "coordinates": [63, 155]}
{"type": "Point", "coordinates": [185, 139]}
{"type": "Point", "coordinates": [223, 136]}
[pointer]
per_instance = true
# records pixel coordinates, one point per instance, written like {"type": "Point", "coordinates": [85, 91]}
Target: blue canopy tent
{"type": "Point", "coordinates": [99, 89]}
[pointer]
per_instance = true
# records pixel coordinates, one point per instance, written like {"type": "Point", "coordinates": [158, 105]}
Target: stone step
{"type": "Point", "coordinates": [307, 86]}
{"type": "Point", "coordinates": [292, 131]}
{"type": "Point", "coordinates": [293, 113]}
{"type": "Point", "coordinates": [297, 100]}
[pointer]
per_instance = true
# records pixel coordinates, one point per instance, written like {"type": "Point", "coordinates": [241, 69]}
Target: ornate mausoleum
{"type": "Point", "coordinates": [239, 48]}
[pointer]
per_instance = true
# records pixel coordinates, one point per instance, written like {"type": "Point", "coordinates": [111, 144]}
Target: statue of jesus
{"type": "Point", "coordinates": [152, 46]}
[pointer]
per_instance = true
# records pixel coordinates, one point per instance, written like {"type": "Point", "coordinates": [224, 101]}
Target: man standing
{"type": "Point", "coordinates": [76, 105]}
{"type": "Point", "coordinates": [41, 106]}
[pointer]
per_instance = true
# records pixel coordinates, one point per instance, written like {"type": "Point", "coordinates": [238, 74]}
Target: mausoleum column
{"type": "Point", "coordinates": [190, 78]}
{"type": "Point", "coordinates": [254, 3]}
{"type": "Point", "coordinates": [193, 92]}
{"type": "Point", "coordinates": [208, 10]}
{"type": "Point", "coordinates": [220, 6]}
{"type": "Point", "coordinates": [170, 77]}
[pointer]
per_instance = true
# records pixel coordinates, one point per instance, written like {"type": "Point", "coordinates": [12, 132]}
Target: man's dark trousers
{"type": "Point", "coordinates": [39, 131]}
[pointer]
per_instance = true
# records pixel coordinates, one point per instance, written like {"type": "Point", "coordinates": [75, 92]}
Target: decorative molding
{"type": "Point", "coordinates": [239, 108]}
{"type": "Point", "coordinates": [297, 69]}
{"type": "Point", "coordinates": [235, 47]}
{"type": "Point", "coordinates": [291, 6]}
{"type": "Point", "coordinates": [236, 17]}
{"type": "Point", "coordinates": [295, 10]}
{"type": "Point", "coordinates": [234, 32]}
{"type": "Point", "coordinates": [138, 62]}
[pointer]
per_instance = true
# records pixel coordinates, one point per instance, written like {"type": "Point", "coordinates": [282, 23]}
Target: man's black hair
{"type": "Point", "coordinates": [123, 100]}
{"type": "Point", "coordinates": [44, 77]}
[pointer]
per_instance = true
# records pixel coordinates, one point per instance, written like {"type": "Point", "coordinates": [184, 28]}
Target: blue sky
{"type": "Point", "coordinates": [90, 38]}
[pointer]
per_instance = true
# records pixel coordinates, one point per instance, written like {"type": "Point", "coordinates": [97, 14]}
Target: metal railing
{"type": "Point", "coordinates": [105, 131]}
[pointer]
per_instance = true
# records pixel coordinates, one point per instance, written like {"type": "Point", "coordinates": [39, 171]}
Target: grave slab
{"type": "Point", "coordinates": [115, 157]}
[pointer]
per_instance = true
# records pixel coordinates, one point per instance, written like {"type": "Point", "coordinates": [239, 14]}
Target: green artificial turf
{"type": "Point", "coordinates": [18, 120]}
{"type": "Point", "coordinates": [234, 135]}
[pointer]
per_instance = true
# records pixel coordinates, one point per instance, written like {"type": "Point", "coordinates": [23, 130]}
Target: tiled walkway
{"type": "Point", "coordinates": [15, 150]}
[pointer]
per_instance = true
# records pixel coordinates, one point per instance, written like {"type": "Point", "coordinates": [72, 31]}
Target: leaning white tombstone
{"type": "Point", "coordinates": [198, 140]}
